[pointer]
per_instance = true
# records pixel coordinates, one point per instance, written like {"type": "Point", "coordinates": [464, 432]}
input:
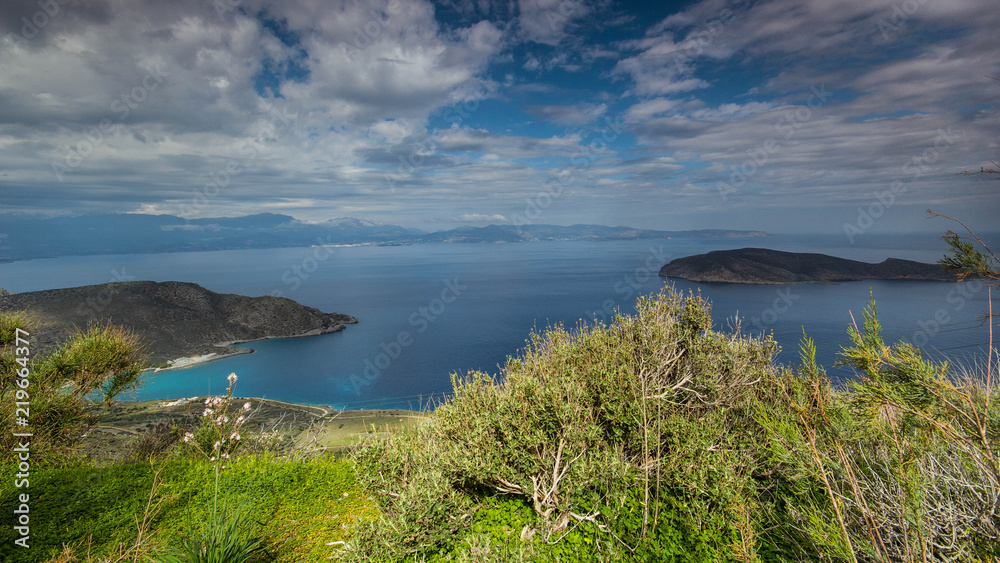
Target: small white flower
{"type": "Point", "coordinates": [188, 436]}
{"type": "Point", "coordinates": [207, 412]}
{"type": "Point", "coordinates": [217, 444]}
{"type": "Point", "coordinates": [211, 458]}
{"type": "Point", "coordinates": [246, 406]}
{"type": "Point", "coordinates": [232, 378]}
{"type": "Point", "coordinates": [239, 419]}
{"type": "Point", "coordinates": [235, 436]}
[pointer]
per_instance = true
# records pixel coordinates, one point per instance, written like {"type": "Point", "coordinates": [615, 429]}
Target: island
{"type": "Point", "coordinates": [765, 266]}
{"type": "Point", "coordinates": [181, 323]}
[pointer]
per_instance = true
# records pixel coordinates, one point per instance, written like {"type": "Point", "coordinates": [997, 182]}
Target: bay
{"type": "Point", "coordinates": [428, 311]}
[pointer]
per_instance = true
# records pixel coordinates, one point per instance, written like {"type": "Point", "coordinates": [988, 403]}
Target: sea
{"type": "Point", "coordinates": [430, 311]}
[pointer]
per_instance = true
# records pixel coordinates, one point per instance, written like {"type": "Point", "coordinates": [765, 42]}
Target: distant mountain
{"type": "Point", "coordinates": [760, 265]}
{"type": "Point", "coordinates": [175, 319]}
{"type": "Point", "coordinates": [526, 233]}
{"type": "Point", "coordinates": [30, 236]}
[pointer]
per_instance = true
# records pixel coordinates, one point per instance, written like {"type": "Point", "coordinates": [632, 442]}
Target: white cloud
{"type": "Point", "coordinates": [477, 218]}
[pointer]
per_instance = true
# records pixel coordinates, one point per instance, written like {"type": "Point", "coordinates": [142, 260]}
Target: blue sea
{"type": "Point", "coordinates": [428, 311]}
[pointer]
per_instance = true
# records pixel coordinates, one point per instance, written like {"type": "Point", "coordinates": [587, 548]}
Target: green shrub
{"type": "Point", "coordinates": [65, 387]}
{"type": "Point", "coordinates": [633, 441]}
{"type": "Point", "coordinates": [900, 466]}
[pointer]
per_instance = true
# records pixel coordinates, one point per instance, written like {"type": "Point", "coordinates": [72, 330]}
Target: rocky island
{"type": "Point", "coordinates": [176, 320]}
{"type": "Point", "coordinates": [764, 266]}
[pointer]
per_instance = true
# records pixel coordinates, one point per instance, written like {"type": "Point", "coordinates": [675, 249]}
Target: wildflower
{"type": "Point", "coordinates": [207, 412]}
{"type": "Point", "coordinates": [216, 446]}
{"type": "Point", "coordinates": [239, 419]}
{"type": "Point", "coordinates": [188, 436]}
{"type": "Point", "coordinates": [234, 436]}
{"type": "Point", "coordinates": [246, 406]}
{"type": "Point", "coordinates": [211, 458]}
{"type": "Point", "coordinates": [232, 378]}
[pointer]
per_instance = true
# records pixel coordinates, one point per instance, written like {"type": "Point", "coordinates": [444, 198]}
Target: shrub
{"type": "Point", "coordinates": [65, 387]}
{"type": "Point", "coordinates": [633, 440]}
{"type": "Point", "coordinates": [900, 466]}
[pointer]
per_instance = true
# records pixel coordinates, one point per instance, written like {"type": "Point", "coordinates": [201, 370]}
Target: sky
{"type": "Point", "coordinates": [847, 117]}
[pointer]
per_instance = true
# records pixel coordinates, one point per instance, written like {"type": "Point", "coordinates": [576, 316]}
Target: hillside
{"type": "Point", "coordinates": [763, 266]}
{"type": "Point", "coordinates": [176, 319]}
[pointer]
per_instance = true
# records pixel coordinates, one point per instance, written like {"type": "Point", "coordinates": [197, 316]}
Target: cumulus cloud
{"type": "Point", "coordinates": [404, 109]}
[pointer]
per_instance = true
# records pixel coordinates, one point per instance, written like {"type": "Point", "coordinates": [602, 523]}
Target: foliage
{"type": "Point", "coordinates": [901, 466]}
{"type": "Point", "coordinates": [92, 510]}
{"type": "Point", "coordinates": [624, 440]}
{"type": "Point", "coordinates": [229, 535]}
{"type": "Point", "coordinates": [66, 387]}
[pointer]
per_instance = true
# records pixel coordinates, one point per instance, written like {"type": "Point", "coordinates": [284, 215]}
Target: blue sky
{"type": "Point", "coordinates": [793, 116]}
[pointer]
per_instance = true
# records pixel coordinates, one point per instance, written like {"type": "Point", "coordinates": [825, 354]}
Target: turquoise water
{"type": "Point", "coordinates": [426, 311]}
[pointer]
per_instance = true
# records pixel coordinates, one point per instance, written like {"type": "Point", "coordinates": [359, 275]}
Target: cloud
{"type": "Point", "coordinates": [572, 116]}
{"type": "Point", "coordinates": [477, 218]}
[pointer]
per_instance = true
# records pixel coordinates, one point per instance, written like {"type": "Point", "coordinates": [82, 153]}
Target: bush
{"type": "Point", "coordinates": [65, 387]}
{"type": "Point", "coordinates": [633, 440]}
{"type": "Point", "coordinates": [900, 466]}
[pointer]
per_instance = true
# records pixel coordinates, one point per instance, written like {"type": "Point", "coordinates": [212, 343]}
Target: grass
{"type": "Point", "coordinates": [305, 506]}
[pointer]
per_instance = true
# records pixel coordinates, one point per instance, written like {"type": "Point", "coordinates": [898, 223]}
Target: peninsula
{"type": "Point", "coordinates": [175, 319]}
{"type": "Point", "coordinates": [764, 266]}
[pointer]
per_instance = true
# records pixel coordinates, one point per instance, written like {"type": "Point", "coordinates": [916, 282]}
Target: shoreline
{"type": "Point", "coordinates": [230, 349]}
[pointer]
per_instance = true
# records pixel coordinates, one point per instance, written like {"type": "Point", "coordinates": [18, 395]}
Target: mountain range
{"type": "Point", "coordinates": [25, 236]}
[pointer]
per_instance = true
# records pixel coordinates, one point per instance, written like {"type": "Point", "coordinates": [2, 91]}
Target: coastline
{"type": "Point", "coordinates": [229, 350]}
{"type": "Point", "coordinates": [315, 427]}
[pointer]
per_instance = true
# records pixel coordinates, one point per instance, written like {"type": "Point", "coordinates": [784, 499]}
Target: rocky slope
{"type": "Point", "coordinates": [760, 265]}
{"type": "Point", "coordinates": [175, 319]}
